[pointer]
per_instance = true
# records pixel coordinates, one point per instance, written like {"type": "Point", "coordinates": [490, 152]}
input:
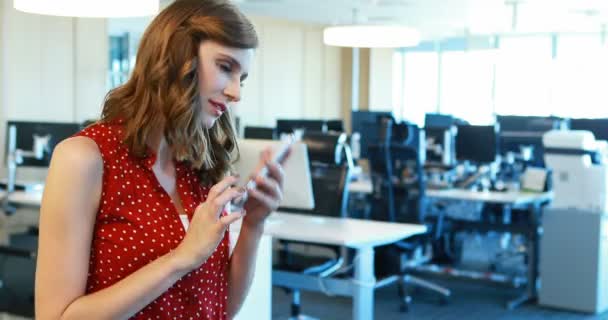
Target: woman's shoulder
{"type": "Point", "coordinates": [78, 150]}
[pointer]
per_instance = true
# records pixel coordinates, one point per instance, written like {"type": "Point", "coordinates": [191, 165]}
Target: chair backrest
{"type": "Point", "coordinates": [388, 162]}
{"type": "Point", "coordinates": [330, 172]}
{"type": "Point", "coordinates": [263, 133]}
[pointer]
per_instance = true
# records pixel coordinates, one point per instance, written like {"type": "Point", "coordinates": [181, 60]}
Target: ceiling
{"type": "Point", "coordinates": [435, 19]}
{"type": "Point", "coordinates": [444, 18]}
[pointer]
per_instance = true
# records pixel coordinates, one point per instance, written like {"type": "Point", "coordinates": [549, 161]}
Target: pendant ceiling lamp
{"type": "Point", "coordinates": [371, 36]}
{"type": "Point", "coordinates": [89, 8]}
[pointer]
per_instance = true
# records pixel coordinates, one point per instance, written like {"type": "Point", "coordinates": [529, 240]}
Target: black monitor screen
{"type": "Point", "coordinates": [25, 137]}
{"type": "Point", "coordinates": [527, 123]}
{"type": "Point", "coordinates": [263, 133]}
{"type": "Point", "coordinates": [478, 144]}
{"type": "Point", "coordinates": [438, 120]}
{"type": "Point", "coordinates": [335, 125]}
{"type": "Point", "coordinates": [288, 126]}
{"type": "Point", "coordinates": [599, 127]}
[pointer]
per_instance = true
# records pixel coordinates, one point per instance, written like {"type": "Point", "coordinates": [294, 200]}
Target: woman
{"type": "Point", "coordinates": [132, 221]}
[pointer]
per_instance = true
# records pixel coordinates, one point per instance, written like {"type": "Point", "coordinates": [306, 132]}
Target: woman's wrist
{"type": "Point", "coordinates": [254, 227]}
{"type": "Point", "coordinates": [180, 263]}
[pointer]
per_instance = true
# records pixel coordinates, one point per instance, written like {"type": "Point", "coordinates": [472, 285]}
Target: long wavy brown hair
{"type": "Point", "coordinates": [162, 91]}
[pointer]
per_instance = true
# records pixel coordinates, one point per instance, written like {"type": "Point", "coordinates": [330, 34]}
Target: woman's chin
{"type": "Point", "coordinates": [209, 121]}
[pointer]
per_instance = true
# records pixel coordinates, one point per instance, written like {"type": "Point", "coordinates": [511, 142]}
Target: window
{"type": "Point", "coordinates": [420, 80]}
{"type": "Point", "coordinates": [580, 77]}
{"type": "Point", "coordinates": [523, 76]}
{"type": "Point", "coordinates": [466, 85]}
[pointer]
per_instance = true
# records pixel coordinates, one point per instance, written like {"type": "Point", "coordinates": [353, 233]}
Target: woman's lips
{"type": "Point", "coordinates": [218, 107]}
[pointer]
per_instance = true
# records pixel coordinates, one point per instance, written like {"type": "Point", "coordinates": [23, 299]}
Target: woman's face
{"type": "Point", "coordinates": [221, 72]}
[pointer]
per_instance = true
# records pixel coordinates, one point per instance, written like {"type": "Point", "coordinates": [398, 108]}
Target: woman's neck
{"type": "Point", "coordinates": [163, 152]}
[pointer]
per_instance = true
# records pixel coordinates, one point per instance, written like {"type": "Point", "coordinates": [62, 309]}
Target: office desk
{"type": "Point", "coordinates": [532, 203]}
{"type": "Point", "coordinates": [363, 184]}
{"type": "Point", "coordinates": [361, 235]}
{"type": "Point", "coordinates": [32, 199]}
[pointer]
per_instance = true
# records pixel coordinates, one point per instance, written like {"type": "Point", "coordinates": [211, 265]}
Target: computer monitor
{"type": "Point", "coordinates": [509, 123]}
{"type": "Point", "coordinates": [599, 127]}
{"type": "Point", "coordinates": [297, 187]}
{"type": "Point", "coordinates": [57, 131]}
{"type": "Point", "coordinates": [438, 120]}
{"type": "Point", "coordinates": [335, 125]}
{"type": "Point", "coordinates": [478, 144]}
{"type": "Point", "coordinates": [367, 124]}
{"type": "Point", "coordinates": [261, 133]}
{"type": "Point", "coordinates": [289, 125]}
{"type": "Point", "coordinates": [515, 141]}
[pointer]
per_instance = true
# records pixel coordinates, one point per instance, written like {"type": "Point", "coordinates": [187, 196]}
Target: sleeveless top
{"type": "Point", "coordinates": [137, 223]}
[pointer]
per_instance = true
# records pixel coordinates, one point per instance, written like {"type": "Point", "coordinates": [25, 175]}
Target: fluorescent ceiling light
{"type": "Point", "coordinates": [371, 36]}
{"type": "Point", "coordinates": [89, 8]}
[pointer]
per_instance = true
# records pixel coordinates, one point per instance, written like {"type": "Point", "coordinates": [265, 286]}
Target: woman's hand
{"type": "Point", "coordinates": [207, 227]}
{"type": "Point", "coordinates": [267, 194]}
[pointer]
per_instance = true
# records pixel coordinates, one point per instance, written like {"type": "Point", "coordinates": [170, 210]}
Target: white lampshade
{"type": "Point", "coordinates": [371, 36]}
{"type": "Point", "coordinates": [89, 8]}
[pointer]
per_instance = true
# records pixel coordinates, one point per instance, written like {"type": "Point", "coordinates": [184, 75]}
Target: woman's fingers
{"type": "Point", "coordinates": [275, 171]}
{"type": "Point", "coordinates": [221, 186]}
{"type": "Point", "coordinates": [270, 187]}
{"type": "Point", "coordinates": [228, 195]}
{"type": "Point", "coordinates": [230, 218]}
{"type": "Point", "coordinates": [266, 200]}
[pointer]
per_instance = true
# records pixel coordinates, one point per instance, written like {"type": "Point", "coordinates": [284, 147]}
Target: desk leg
{"type": "Point", "coordinates": [533, 244]}
{"type": "Point", "coordinates": [364, 281]}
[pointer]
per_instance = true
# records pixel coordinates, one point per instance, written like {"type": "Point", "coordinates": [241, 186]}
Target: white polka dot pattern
{"type": "Point", "coordinates": [137, 223]}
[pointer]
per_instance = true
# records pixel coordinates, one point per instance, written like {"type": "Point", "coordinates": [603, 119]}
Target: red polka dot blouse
{"type": "Point", "coordinates": [137, 223]}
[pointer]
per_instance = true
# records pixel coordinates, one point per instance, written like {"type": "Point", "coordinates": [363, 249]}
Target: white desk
{"type": "Point", "coordinates": [33, 198]}
{"type": "Point", "coordinates": [361, 235]}
{"type": "Point", "coordinates": [362, 185]}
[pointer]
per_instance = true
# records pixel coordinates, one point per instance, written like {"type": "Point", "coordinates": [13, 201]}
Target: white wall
{"type": "Point", "coordinates": [294, 75]}
{"type": "Point", "coordinates": [381, 79]}
{"type": "Point", "coordinates": [53, 69]}
{"type": "Point", "coordinates": [2, 80]}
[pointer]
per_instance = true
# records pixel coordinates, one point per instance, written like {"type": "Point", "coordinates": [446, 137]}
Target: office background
{"type": "Point", "coordinates": [55, 69]}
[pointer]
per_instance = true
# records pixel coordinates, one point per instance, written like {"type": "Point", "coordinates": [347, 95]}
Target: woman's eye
{"type": "Point", "coordinates": [225, 68]}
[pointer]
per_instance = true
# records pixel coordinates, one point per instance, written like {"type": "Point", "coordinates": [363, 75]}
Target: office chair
{"type": "Point", "coordinates": [397, 198]}
{"type": "Point", "coordinates": [17, 269]}
{"type": "Point", "coordinates": [263, 133]}
{"type": "Point", "coordinates": [331, 175]}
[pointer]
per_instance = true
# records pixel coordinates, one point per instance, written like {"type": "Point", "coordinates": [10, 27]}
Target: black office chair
{"type": "Point", "coordinates": [331, 175]}
{"type": "Point", "coordinates": [263, 133]}
{"type": "Point", "coordinates": [17, 269]}
{"type": "Point", "coordinates": [399, 196]}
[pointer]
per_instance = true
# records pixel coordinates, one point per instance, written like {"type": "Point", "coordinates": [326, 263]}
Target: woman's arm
{"type": "Point", "coordinates": [69, 208]}
{"type": "Point", "coordinates": [242, 267]}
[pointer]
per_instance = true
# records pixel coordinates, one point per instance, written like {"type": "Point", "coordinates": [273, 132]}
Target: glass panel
{"type": "Point", "coordinates": [420, 82]}
{"type": "Point", "coordinates": [523, 76]}
{"type": "Point", "coordinates": [580, 77]}
{"type": "Point", "coordinates": [466, 85]}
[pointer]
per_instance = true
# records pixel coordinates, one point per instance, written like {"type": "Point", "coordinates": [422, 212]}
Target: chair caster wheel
{"type": "Point", "coordinates": [405, 304]}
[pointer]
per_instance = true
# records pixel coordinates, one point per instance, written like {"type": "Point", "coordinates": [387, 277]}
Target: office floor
{"type": "Point", "coordinates": [471, 301]}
